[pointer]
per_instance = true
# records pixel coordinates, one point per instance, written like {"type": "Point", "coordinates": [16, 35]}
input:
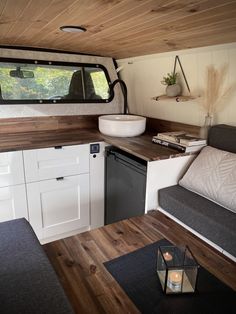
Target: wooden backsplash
{"type": "Point", "coordinates": [53, 123]}
{"type": "Point", "coordinates": [158, 125]}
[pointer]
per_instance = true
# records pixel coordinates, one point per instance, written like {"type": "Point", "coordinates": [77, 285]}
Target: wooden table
{"type": "Point", "coordinates": [78, 260]}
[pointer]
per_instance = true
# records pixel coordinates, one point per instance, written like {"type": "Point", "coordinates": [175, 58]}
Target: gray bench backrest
{"type": "Point", "coordinates": [223, 137]}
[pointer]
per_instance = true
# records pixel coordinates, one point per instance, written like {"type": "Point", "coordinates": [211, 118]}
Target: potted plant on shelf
{"type": "Point", "coordinates": [173, 88]}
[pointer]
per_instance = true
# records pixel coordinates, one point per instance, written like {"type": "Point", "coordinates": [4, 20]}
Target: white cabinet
{"type": "Point", "coordinates": [11, 169]}
{"type": "Point", "coordinates": [163, 173]}
{"type": "Point", "coordinates": [59, 205]}
{"type": "Point", "coordinates": [58, 190]}
{"type": "Point", "coordinates": [53, 162]}
{"type": "Point", "coordinates": [13, 203]}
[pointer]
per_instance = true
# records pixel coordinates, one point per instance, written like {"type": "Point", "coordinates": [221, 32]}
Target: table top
{"type": "Point", "coordinates": [78, 260]}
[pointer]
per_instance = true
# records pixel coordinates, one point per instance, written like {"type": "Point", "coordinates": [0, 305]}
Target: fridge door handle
{"type": "Point", "coordinates": [110, 152]}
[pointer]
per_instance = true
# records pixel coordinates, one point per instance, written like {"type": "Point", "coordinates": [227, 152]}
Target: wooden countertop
{"type": "Point", "coordinates": [42, 139]}
{"type": "Point", "coordinates": [143, 147]}
{"type": "Point", "coordinates": [78, 260]}
{"type": "Point", "coordinates": [140, 146]}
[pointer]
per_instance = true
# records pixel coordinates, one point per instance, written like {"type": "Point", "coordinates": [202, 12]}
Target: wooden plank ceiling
{"type": "Point", "coordinates": [118, 28]}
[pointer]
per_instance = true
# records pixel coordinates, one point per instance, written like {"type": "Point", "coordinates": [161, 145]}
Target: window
{"type": "Point", "coordinates": [45, 82]}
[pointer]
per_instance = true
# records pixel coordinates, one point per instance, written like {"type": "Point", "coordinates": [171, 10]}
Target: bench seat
{"type": "Point", "coordinates": [212, 221]}
{"type": "Point", "coordinates": [28, 283]}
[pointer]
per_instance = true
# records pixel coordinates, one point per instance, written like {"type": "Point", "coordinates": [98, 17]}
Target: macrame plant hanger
{"type": "Point", "coordinates": [178, 98]}
{"type": "Point", "coordinates": [182, 70]}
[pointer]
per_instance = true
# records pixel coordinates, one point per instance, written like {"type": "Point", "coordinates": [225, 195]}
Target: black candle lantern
{"type": "Point", "coordinates": [177, 269]}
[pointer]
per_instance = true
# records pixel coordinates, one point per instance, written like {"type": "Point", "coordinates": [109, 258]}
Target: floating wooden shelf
{"type": "Point", "coordinates": [176, 98]}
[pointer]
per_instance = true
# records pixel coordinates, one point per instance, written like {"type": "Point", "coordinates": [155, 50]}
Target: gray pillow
{"type": "Point", "coordinates": [213, 175]}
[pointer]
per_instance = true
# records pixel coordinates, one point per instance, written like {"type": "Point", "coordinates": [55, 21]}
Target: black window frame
{"type": "Point", "coordinates": [56, 101]}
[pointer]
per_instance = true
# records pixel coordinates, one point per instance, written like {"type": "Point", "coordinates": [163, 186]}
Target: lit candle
{"type": "Point", "coordinates": [175, 279]}
{"type": "Point", "coordinates": [167, 256]}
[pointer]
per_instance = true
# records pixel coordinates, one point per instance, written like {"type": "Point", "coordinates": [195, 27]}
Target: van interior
{"type": "Point", "coordinates": [117, 156]}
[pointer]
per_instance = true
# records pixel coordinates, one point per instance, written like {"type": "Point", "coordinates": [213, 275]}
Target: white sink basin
{"type": "Point", "coordinates": [122, 125]}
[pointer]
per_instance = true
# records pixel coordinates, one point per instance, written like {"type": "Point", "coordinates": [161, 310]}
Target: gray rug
{"type": "Point", "coordinates": [136, 274]}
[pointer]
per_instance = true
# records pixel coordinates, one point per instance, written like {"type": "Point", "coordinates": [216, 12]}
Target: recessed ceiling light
{"type": "Point", "coordinates": [73, 29]}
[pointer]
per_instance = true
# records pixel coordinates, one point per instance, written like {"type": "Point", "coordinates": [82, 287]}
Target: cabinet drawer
{"type": "Point", "coordinates": [53, 162]}
{"type": "Point", "coordinates": [13, 203]}
{"type": "Point", "coordinates": [11, 169]}
{"type": "Point", "coordinates": [58, 206]}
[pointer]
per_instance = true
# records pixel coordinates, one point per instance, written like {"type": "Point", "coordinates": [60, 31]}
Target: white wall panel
{"type": "Point", "coordinates": [143, 76]}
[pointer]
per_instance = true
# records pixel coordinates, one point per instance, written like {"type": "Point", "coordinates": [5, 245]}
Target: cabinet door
{"type": "Point", "coordinates": [13, 203]}
{"type": "Point", "coordinates": [53, 162]}
{"type": "Point", "coordinates": [58, 206]}
{"type": "Point", "coordinates": [11, 168]}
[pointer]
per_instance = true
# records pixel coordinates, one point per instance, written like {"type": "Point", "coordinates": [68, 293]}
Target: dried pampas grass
{"type": "Point", "coordinates": [215, 96]}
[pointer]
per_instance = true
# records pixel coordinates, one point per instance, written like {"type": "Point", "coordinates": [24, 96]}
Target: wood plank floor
{"type": "Point", "coordinates": [78, 260]}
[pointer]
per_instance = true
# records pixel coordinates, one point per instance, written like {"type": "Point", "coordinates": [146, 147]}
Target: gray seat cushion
{"type": "Point", "coordinates": [28, 283]}
{"type": "Point", "coordinates": [207, 218]}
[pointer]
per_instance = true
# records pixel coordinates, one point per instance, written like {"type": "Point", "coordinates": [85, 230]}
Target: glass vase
{"type": "Point", "coordinates": [205, 128]}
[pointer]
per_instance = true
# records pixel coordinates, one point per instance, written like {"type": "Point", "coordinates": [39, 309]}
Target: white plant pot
{"type": "Point", "coordinates": [173, 90]}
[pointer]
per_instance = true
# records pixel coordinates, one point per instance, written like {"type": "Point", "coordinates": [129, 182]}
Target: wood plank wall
{"type": "Point", "coordinates": [118, 28]}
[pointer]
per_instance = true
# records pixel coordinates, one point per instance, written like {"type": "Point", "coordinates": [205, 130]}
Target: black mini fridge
{"type": "Point", "coordinates": [125, 185]}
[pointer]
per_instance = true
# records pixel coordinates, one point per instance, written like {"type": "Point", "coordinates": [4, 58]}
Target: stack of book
{"type": "Point", "coordinates": [181, 141]}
